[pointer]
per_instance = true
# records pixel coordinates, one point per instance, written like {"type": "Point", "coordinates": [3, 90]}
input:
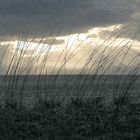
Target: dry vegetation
{"type": "Point", "coordinates": [79, 117]}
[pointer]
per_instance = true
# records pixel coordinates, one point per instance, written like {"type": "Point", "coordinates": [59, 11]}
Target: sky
{"type": "Point", "coordinates": [68, 25]}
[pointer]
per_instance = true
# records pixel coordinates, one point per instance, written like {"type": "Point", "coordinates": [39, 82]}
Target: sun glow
{"type": "Point", "coordinates": [71, 42]}
{"type": "Point", "coordinates": [75, 47]}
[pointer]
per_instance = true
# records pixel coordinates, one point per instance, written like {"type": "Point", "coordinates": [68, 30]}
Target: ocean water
{"type": "Point", "coordinates": [34, 87]}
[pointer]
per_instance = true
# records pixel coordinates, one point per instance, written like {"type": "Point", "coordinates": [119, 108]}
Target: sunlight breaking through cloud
{"type": "Point", "coordinates": [75, 49]}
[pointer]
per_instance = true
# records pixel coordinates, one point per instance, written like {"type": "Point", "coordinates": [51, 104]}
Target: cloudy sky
{"type": "Point", "coordinates": [66, 23]}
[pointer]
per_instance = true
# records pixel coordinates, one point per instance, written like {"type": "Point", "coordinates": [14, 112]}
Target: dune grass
{"type": "Point", "coordinates": [76, 114]}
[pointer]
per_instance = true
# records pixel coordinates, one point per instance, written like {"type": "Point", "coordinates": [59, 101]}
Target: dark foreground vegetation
{"type": "Point", "coordinates": [79, 119]}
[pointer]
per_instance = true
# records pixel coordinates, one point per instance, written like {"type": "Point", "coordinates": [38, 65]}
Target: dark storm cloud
{"type": "Point", "coordinates": [50, 41]}
{"type": "Point", "coordinates": [43, 17]}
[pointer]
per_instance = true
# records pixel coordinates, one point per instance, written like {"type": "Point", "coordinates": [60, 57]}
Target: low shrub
{"type": "Point", "coordinates": [79, 119]}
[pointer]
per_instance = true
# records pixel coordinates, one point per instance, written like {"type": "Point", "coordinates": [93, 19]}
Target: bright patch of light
{"type": "Point", "coordinates": [35, 46]}
{"type": "Point", "coordinates": [97, 31]}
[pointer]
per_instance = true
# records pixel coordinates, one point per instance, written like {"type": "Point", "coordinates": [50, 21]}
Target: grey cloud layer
{"type": "Point", "coordinates": [46, 16]}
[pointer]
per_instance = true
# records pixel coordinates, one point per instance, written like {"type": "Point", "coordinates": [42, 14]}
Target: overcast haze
{"type": "Point", "coordinates": [43, 16]}
{"type": "Point", "coordinates": [64, 17]}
